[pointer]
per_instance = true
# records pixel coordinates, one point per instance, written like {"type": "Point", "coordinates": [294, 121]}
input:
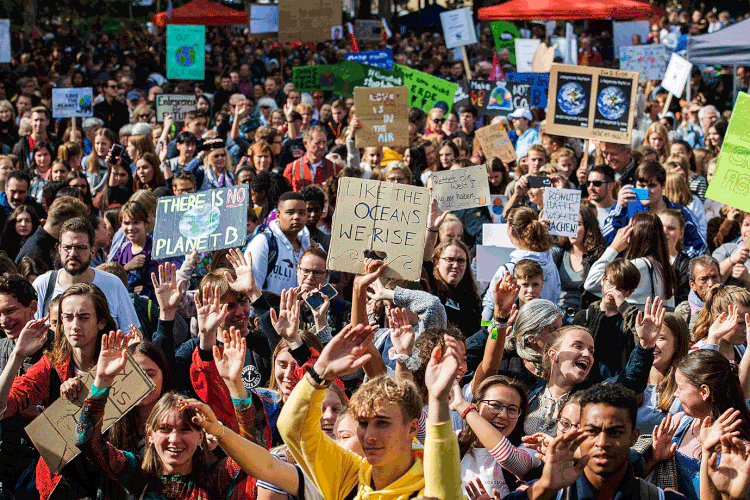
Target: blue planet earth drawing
{"type": "Point", "coordinates": [500, 98]}
{"type": "Point", "coordinates": [185, 56]}
{"type": "Point", "coordinates": [85, 104]}
{"type": "Point", "coordinates": [572, 98]}
{"type": "Point", "coordinates": [612, 103]}
{"type": "Point", "coordinates": [200, 221]}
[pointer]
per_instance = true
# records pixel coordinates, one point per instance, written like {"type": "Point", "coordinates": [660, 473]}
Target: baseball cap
{"type": "Point", "coordinates": [521, 113]}
{"type": "Point", "coordinates": [133, 96]}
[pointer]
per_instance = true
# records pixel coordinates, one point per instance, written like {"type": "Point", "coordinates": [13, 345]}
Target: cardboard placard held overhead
{"type": "Point", "coordinates": [458, 27]}
{"type": "Point", "coordinates": [186, 52]}
{"type": "Point", "coordinates": [650, 61]}
{"type": "Point", "coordinates": [677, 74]}
{"type": "Point", "coordinates": [308, 21]}
{"type": "Point", "coordinates": [378, 58]}
{"type": "Point", "coordinates": [203, 221]}
{"type": "Point", "coordinates": [72, 103]}
{"type": "Point", "coordinates": [386, 218]}
{"type": "Point", "coordinates": [384, 113]}
{"type": "Point", "coordinates": [367, 30]}
{"type": "Point", "coordinates": [525, 50]}
{"type": "Point", "coordinates": [591, 103]}
{"type": "Point", "coordinates": [425, 91]}
{"type": "Point", "coordinates": [561, 209]}
{"type": "Point", "coordinates": [495, 143]}
{"type": "Point", "coordinates": [176, 105]}
{"type": "Point", "coordinates": [461, 188]}
{"type": "Point", "coordinates": [53, 432]}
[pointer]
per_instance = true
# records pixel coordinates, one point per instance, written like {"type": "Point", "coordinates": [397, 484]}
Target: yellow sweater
{"type": "Point", "coordinates": [337, 471]}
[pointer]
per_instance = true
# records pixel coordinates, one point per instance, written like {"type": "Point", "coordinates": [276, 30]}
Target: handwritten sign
{"type": "Point", "coordinates": [495, 143]}
{"type": "Point", "coordinates": [378, 58]}
{"type": "Point", "coordinates": [53, 432]}
{"type": "Point", "coordinates": [70, 103]}
{"type": "Point", "coordinates": [561, 208]}
{"type": "Point", "coordinates": [308, 21]}
{"type": "Point", "coordinates": [458, 27]}
{"type": "Point", "coordinates": [186, 52]}
{"type": "Point", "coordinates": [426, 91]}
{"type": "Point", "coordinates": [384, 113]}
{"type": "Point", "coordinates": [389, 219]}
{"type": "Point", "coordinates": [591, 103]}
{"type": "Point", "coordinates": [176, 105]}
{"type": "Point", "coordinates": [344, 77]}
{"type": "Point", "coordinates": [528, 90]}
{"type": "Point", "coordinates": [203, 221]}
{"type": "Point", "coordinates": [650, 61]}
{"type": "Point", "coordinates": [677, 74]}
{"type": "Point", "coordinates": [264, 19]}
{"type": "Point", "coordinates": [461, 188]}
{"type": "Point", "coordinates": [525, 50]}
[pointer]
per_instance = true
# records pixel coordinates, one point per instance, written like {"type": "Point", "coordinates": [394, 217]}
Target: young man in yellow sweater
{"type": "Point", "coordinates": [388, 414]}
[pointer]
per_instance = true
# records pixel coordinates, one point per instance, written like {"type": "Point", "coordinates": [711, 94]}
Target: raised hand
{"type": "Point", "coordinates": [245, 282]}
{"type": "Point", "coordinates": [442, 369]}
{"type": "Point", "coordinates": [373, 269]}
{"type": "Point", "coordinates": [622, 238]}
{"type": "Point", "coordinates": [345, 353]}
{"type": "Point", "coordinates": [456, 397]}
{"type": "Point", "coordinates": [561, 469]}
{"type": "Point", "coordinates": [712, 432]}
{"type": "Point", "coordinates": [539, 442]}
{"type": "Point", "coordinates": [723, 325]}
{"type": "Point", "coordinates": [286, 321]}
{"type": "Point", "coordinates": [205, 416]}
{"type": "Point", "coordinates": [505, 293]}
{"type": "Point", "coordinates": [662, 446]}
{"type": "Point", "coordinates": [167, 289]}
{"type": "Point", "coordinates": [32, 337]}
{"type": "Point", "coordinates": [71, 387]}
{"type": "Point", "coordinates": [112, 358]}
{"type": "Point", "coordinates": [648, 322]}
{"type": "Point", "coordinates": [435, 218]}
{"type": "Point", "coordinates": [230, 359]}
{"type": "Point", "coordinates": [402, 333]}
{"type": "Point", "coordinates": [732, 477]}
{"type": "Point", "coordinates": [210, 311]}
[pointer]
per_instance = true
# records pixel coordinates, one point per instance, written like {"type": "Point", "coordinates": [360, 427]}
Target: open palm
{"type": "Point", "coordinates": [345, 353]}
{"type": "Point", "coordinates": [32, 337]}
{"type": "Point", "coordinates": [231, 359]}
{"type": "Point", "coordinates": [402, 333]}
{"type": "Point", "coordinates": [243, 268]}
{"type": "Point", "coordinates": [210, 310]}
{"type": "Point", "coordinates": [286, 321]}
{"type": "Point", "coordinates": [732, 477]}
{"type": "Point", "coordinates": [442, 368]}
{"type": "Point", "coordinates": [112, 358]}
{"type": "Point", "coordinates": [166, 288]}
{"type": "Point", "coordinates": [561, 469]}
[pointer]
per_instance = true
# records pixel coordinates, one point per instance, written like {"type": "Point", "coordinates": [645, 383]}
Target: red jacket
{"type": "Point", "coordinates": [298, 172]}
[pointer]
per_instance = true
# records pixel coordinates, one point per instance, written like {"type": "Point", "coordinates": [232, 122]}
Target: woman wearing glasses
{"type": "Point", "coordinates": [218, 166]}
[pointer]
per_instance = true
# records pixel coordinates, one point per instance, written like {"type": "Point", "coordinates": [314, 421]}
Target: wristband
{"type": "Point", "coordinates": [317, 378]}
{"type": "Point", "coordinates": [467, 410]}
{"type": "Point", "coordinates": [495, 330]}
{"type": "Point", "coordinates": [223, 430]}
{"type": "Point", "coordinates": [411, 362]}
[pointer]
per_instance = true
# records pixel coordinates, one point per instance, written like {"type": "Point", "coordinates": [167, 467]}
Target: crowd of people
{"type": "Point", "coordinates": [611, 364]}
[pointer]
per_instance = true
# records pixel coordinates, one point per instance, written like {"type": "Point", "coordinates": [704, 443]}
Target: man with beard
{"type": "Point", "coordinates": [76, 250]}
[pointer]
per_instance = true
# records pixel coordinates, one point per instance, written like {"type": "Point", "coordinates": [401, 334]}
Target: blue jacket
{"type": "Point", "coordinates": [619, 217]}
{"type": "Point", "coordinates": [29, 201]}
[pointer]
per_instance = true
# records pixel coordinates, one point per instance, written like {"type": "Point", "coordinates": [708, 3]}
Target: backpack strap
{"type": "Point", "coordinates": [51, 282]}
{"type": "Point", "coordinates": [273, 254]}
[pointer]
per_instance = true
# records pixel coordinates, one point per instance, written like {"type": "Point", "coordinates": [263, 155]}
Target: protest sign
{"type": "Point", "coordinates": [462, 97]}
{"type": "Point", "coordinates": [490, 98]}
{"type": "Point", "coordinates": [70, 103]}
{"type": "Point", "coordinates": [731, 181]}
{"type": "Point", "coordinates": [624, 31]}
{"type": "Point", "coordinates": [378, 58]}
{"type": "Point", "coordinates": [203, 221]}
{"type": "Point", "coordinates": [386, 218]}
{"type": "Point", "coordinates": [4, 40]}
{"type": "Point", "coordinates": [591, 103]}
{"type": "Point", "coordinates": [677, 74]}
{"type": "Point", "coordinates": [519, 90]}
{"type": "Point", "coordinates": [525, 50]}
{"type": "Point", "coordinates": [264, 19]}
{"type": "Point", "coordinates": [426, 91]}
{"type": "Point", "coordinates": [504, 33]}
{"type": "Point", "coordinates": [489, 260]}
{"type": "Point", "coordinates": [342, 78]}
{"type": "Point", "coordinates": [186, 52]}
{"type": "Point", "coordinates": [561, 209]}
{"type": "Point", "coordinates": [176, 105]}
{"type": "Point", "coordinates": [308, 21]}
{"type": "Point", "coordinates": [312, 78]}
{"type": "Point", "coordinates": [368, 31]}
{"type": "Point", "coordinates": [650, 61]}
{"type": "Point", "coordinates": [461, 188]}
{"type": "Point", "coordinates": [494, 141]}
{"type": "Point", "coordinates": [384, 113]}
{"type": "Point", "coordinates": [497, 205]}
{"type": "Point", "coordinates": [53, 432]}
{"type": "Point", "coordinates": [458, 27]}
{"type": "Point", "coordinates": [496, 235]}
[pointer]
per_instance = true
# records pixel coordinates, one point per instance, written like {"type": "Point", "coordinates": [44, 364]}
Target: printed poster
{"type": "Point", "coordinates": [186, 52]}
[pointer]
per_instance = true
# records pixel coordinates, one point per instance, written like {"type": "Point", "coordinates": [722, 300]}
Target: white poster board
{"type": "Point", "coordinates": [4, 40]}
{"type": "Point", "coordinates": [72, 103]}
{"type": "Point", "coordinates": [561, 209]}
{"type": "Point", "coordinates": [264, 18]}
{"type": "Point", "coordinates": [489, 260]}
{"type": "Point", "coordinates": [678, 72]}
{"type": "Point", "coordinates": [496, 235]}
{"type": "Point", "coordinates": [458, 27]}
{"type": "Point", "coordinates": [650, 61]}
{"type": "Point", "coordinates": [461, 188]}
{"type": "Point", "coordinates": [525, 50]}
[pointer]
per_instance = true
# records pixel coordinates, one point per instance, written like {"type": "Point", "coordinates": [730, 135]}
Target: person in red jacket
{"type": "Point", "coordinates": [313, 167]}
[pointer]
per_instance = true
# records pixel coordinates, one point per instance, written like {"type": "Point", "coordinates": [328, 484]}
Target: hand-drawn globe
{"type": "Point", "coordinates": [85, 103]}
{"type": "Point", "coordinates": [612, 103]}
{"type": "Point", "coordinates": [572, 98]}
{"type": "Point", "coordinates": [201, 221]}
{"type": "Point", "coordinates": [500, 98]}
{"type": "Point", "coordinates": [185, 56]}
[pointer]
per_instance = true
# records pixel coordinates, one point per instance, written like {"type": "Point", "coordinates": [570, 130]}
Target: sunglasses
{"type": "Point", "coordinates": [597, 183]}
{"type": "Point", "coordinates": [438, 120]}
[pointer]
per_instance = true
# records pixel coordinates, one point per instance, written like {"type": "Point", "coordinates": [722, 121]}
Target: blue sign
{"type": "Point", "coordinates": [529, 90]}
{"type": "Point", "coordinates": [378, 58]}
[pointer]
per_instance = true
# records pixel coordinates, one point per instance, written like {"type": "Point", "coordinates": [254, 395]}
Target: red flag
{"type": "Point", "coordinates": [352, 38]}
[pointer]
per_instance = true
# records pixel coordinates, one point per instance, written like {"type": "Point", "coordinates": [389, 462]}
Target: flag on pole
{"type": "Point", "coordinates": [386, 30]}
{"type": "Point", "coordinates": [169, 9]}
{"type": "Point", "coordinates": [352, 37]}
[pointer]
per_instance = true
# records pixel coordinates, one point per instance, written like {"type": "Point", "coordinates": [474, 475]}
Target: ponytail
{"type": "Point", "coordinates": [532, 234]}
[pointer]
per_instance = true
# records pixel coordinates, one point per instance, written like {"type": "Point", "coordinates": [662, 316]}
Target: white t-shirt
{"type": "Point", "coordinates": [120, 304]}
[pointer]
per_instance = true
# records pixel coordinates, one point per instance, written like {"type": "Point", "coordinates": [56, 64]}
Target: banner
{"type": "Point", "coordinates": [384, 113]}
{"type": "Point", "coordinates": [378, 58]}
{"type": "Point", "coordinates": [461, 188]}
{"type": "Point", "coordinates": [426, 91]}
{"type": "Point", "coordinates": [264, 19]}
{"type": "Point", "coordinates": [186, 52]}
{"type": "Point", "coordinates": [342, 78]}
{"type": "Point", "coordinates": [561, 209]}
{"type": "Point", "coordinates": [386, 219]}
{"type": "Point", "coordinates": [203, 221]}
{"type": "Point", "coordinates": [458, 27]}
{"type": "Point", "coordinates": [70, 103]}
{"type": "Point", "coordinates": [308, 21]}
{"type": "Point", "coordinates": [4, 40]}
{"type": "Point", "coordinates": [648, 60]}
{"type": "Point", "coordinates": [504, 33]}
{"type": "Point", "coordinates": [176, 105]}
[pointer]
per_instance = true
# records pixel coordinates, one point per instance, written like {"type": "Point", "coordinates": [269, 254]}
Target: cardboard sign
{"type": "Point", "coordinates": [505, 33]}
{"type": "Point", "coordinates": [384, 113]}
{"type": "Point", "coordinates": [591, 103]}
{"type": "Point", "coordinates": [176, 105]}
{"type": "Point", "coordinates": [461, 188]}
{"type": "Point", "coordinates": [561, 208]}
{"type": "Point", "coordinates": [425, 91]}
{"type": "Point", "coordinates": [186, 52]}
{"type": "Point", "coordinates": [4, 40]}
{"type": "Point", "coordinates": [497, 205]}
{"type": "Point", "coordinates": [378, 58]}
{"type": "Point", "coordinates": [731, 181]}
{"type": "Point", "coordinates": [53, 432]}
{"type": "Point", "coordinates": [70, 103]}
{"type": "Point", "coordinates": [342, 78]}
{"type": "Point", "coordinates": [308, 21]}
{"type": "Point", "coordinates": [368, 31]}
{"type": "Point", "coordinates": [495, 143]}
{"type": "Point", "coordinates": [489, 260]}
{"type": "Point", "coordinates": [387, 218]}
{"type": "Point", "coordinates": [458, 27]}
{"type": "Point", "coordinates": [525, 50]}
{"type": "Point", "coordinates": [677, 74]}
{"type": "Point", "coordinates": [203, 221]}
{"type": "Point", "coordinates": [650, 61]}
{"type": "Point", "coordinates": [264, 19]}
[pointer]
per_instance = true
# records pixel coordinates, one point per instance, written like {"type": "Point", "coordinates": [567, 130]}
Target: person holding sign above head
{"type": "Point", "coordinates": [313, 167]}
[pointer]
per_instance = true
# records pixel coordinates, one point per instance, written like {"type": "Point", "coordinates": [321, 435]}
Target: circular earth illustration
{"type": "Point", "coordinates": [198, 222]}
{"type": "Point", "coordinates": [500, 98]}
{"type": "Point", "coordinates": [572, 98]}
{"type": "Point", "coordinates": [612, 103]}
{"type": "Point", "coordinates": [185, 56]}
{"type": "Point", "coordinates": [85, 103]}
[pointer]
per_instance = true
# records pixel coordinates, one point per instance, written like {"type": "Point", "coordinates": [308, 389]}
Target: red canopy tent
{"type": "Point", "coordinates": [566, 10]}
{"type": "Point", "coordinates": [202, 12]}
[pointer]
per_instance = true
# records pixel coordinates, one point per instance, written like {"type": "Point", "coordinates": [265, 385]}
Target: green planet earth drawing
{"type": "Point", "coordinates": [185, 56]}
{"type": "Point", "coordinates": [201, 221]}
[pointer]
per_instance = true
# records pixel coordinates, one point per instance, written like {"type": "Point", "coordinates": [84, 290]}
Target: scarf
{"type": "Point", "coordinates": [696, 304]}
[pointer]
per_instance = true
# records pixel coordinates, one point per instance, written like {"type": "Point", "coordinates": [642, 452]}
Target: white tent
{"type": "Point", "coordinates": [727, 47]}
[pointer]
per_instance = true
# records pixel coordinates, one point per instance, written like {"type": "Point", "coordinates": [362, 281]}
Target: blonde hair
{"type": "Point", "coordinates": [383, 390]}
{"type": "Point", "coordinates": [659, 128]}
{"type": "Point", "coordinates": [676, 189]}
{"type": "Point", "coordinates": [143, 144]}
{"type": "Point", "coordinates": [718, 300]}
